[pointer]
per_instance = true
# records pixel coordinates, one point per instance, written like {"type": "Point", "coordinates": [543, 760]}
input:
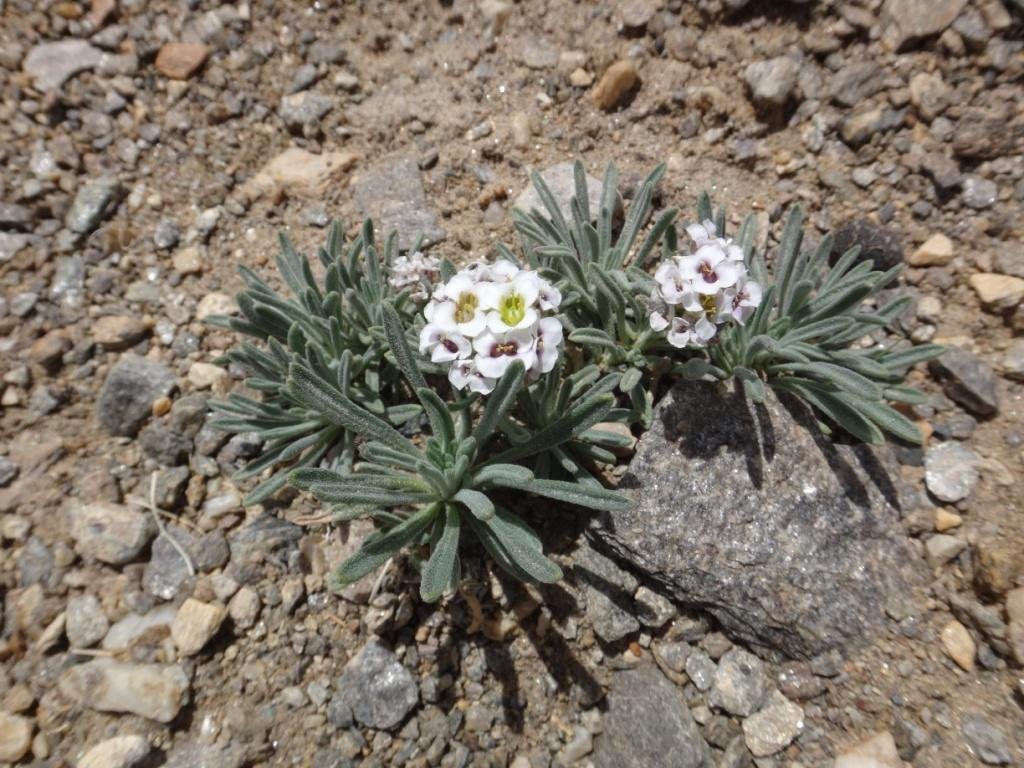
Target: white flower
{"type": "Point", "coordinates": [708, 270]}
{"type": "Point", "coordinates": [706, 233]}
{"type": "Point", "coordinates": [549, 297]}
{"type": "Point", "coordinates": [549, 339]}
{"type": "Point", "coordinates": [690, 330]}
{"type": "Point", "coordinates": [510, 304]}
{"type": "Point", "coordinates": [496, 352]}
{"type": "Point", "coordinates": [739, 302]}
{"type": "Point", "coordinates": [464, 373]}
{"type": "Point", "coordinates": [416, 273]}
{"type": "Point", "coordinates": [443, 343]}
{"type": "Point", "coordinates": [459, 304]}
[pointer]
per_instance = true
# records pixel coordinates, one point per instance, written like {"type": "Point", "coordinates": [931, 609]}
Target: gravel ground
{"type": "Point", "coordinates": [149, 149]}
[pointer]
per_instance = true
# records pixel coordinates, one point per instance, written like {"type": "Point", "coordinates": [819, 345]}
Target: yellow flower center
{"type": "Point", "coordinates": [465, 307]}
{"type": "Point", "coordinates": [708, 302]}
{"type": "Point", "coordinates": [512, 309]}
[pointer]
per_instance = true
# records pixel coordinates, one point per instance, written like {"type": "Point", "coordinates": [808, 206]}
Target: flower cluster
{"type": "Point", "coordinates": [698, 292]}
{"type": "Point", "coordinates": [487, 316]}
{"type": "Point", "coordinates": [416, 273]}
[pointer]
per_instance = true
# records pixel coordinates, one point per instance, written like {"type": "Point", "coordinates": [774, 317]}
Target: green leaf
{"type": "Point", "coordinates": [888, 419]}
{"type": "Point", "coordinates": [593, 337]}
{"type": "Point", "coordinates": [438, 573]}
{"type": "Point", "coordinates": [517, 543]}
{"type": "Point", "coordinates": [501, 399]}
{"type": "Point", "coordinates": [837, 375]}
{"type": "Point", "coordinates": [752, 384]}
{"type": "Point", "coordinates": [375, 553]}
{"type": "Point", "coordinates": [581, 418]}
{"type": "Point", "coordinates": [324, 398]}
{"type": "Point", "coordinates": [476, 502]}
{"type": "Point", "coordinates": [580, 495]}
{"type": "Point", "coordinates": [509, 475]}
{"type": "Point", "coordinates": [440, 417]}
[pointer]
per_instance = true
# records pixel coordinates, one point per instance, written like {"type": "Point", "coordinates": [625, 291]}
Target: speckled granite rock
{"type": "Point", "coordinates": [791, 541]}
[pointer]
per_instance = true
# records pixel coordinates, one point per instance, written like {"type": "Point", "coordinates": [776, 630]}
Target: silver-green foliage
{"type": "Point", "coordinates": [426, 494]}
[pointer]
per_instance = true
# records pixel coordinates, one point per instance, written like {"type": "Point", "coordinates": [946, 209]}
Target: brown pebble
{"type": "Point", "coordinates": [616, 84]}
{"type": "Point", "coordinates": [179, 61]}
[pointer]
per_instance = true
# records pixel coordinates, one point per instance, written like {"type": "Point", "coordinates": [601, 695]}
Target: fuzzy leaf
{"type": "Point", "coordinates": [375, 553]}
{"type": "Point", "coordinates": [476, 502]}
{"type": "Point", "coordinates": [439, 570]}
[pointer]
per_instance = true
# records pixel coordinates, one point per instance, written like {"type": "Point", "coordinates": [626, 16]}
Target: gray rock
{"type": "Point", "coordinates": [701, 669]}
{"type": "Point", "coordinates": [51, 64]}
{"type": "Point", "coordinates": [908, 20]}
{"type": "Point", "coordinates": [646, 721]}
{"type": "Point", "coordinates": [377, 688]}
{"type": "Point", "coordinates": [119, 752]}
{"type": "Point", "coordinates": [561, 181]}
{"type": "Point", "coordinates": [1013, 365]}
{"type": "Point", "coordinates": [15, 216]}
{"type": "Point", "coordinates": [653, 610]}
{"type": "Point", "coordinates": [262, 537]}
{"type": "Point", "coordinates": [300, 109]}
{"type": "Point", "coordinates": [771, 83]}
{"type": "Point", "coordinates": [981, 135]}
{"type": "Point", "coordinates": [986, 741]}
{"type": "Point", "coordinates": [8, 471]}
{"type": "Point", "coordinates": [979, 193]}
{"type": "Point", "coordinates": [109, 532]}
{"type": "Point", "coordinates": [128, 630]}
{"type": "Point", "coordinates": [92, 203]}
{"type": "Point", "coordinates": [941, 548]}
{"type": "Point", "coordinates": [741, 683]}
{"type": "Point", "coordinates": [163, 445]}
{"type": "Point", "coordinates": [798, 682]}
{"type": "Point", "coordinates": [856, 82]}
{"type": "Point", "coordinates": [720, 522]}
{"type": "Point", "coordinates": [774, 726]}
{"type": "Point", "coordinates": [10, 244]}
{"type": "Point", "coordinates": [968, 380]}
{"type": "Point", "coordinates": [392, 194]}
{"type": "Point", "coordinates": [126, 398]}
{"type": "Point", "coordinates": [86, 623]}
{"type": "Point", "coordinates": [167, 234]}
{"type": "Point", "coordinates": [35, 562]}
{"type": "Point", "coordinates": [154, 691]}
{"type": "Point", "coordinates": [879, 244]}
{"type": "Point", "coordinates": [950, 471]}
{"type": "Point", "coordinates": [167, 572]}
{"type": "Point", "coordinates": [197, 754]}
{"type": "Point", "coordinates": [326, 52]}
{"type": "Point", "coordinates": [609, 594]}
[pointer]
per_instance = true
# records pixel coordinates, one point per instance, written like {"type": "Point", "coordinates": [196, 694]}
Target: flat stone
{"type": "Point", "coordinates": [941, 548]}
{"type": "Point", "coordinates": [119, 752]}
{"type": "Point", "coordinates": [263, 537]}
{"type": "Point", "coordinates": [771, 84]}
{"type": "Point", "coordinates": [129, 391]}
{"type": "Point", "coordinates": [609, 595]}
{"type": "Point", "coordinates": [15, 737]}
{"type": "Point", "coordinates": [244, 608]}
{"type": "Point", "coordinates": [195, 625]}
{"type": "Point", "coordinates": [300, 109]}
{"type": "Point", "coordinates": [985, 135]}
{"type": "Point", "coordinates": [936, 251]}
{"type": "Point", "coordinates": [774, 726]}
{"type": "Point", "coordinates": [741, 683]}
{"type": "Point", "coordinates": [986, 741]}
{"type": "Point", "coordinates": [179, 61]}
{"type": "Point", "coordinates": [879, 244]}
{"type": "Point", "coordinates": [951, 471]}
{"type": "Point", "coordinates": [110, 532]}
{"type": "Point", "coordinates": [878, 751]}
{"type": "Point", "coordinates": [647, 720]}
{"type": "Point", "coordinates": [719, 522]}
{"type": "Point", "coordinates": [968, 380]}
{"type": "Point", "coordinates": [154, 691]}
{"type": "Point", "coordinates": [377, 688]}
{"type": "Point", "coordinates": [856, 82]}
{"type": "Point", "coordinates": [653, 610]}
{"type": "Point", "coordinates": [979, 193]}
{"type": "Point", "coordinates": [117, 332]}
{"type": "Point", "coordinates": [299, 172]}
{"type": "Point", "coordinates": [51, 64]}
{"type": "Point", "coordinates": [999, 293]}
{"type": "Point", "coordinates": [616, 85]}
{"type": "Point", "coordinates": [959, 645]}
{"type": "Point", "coordinates": [166, 573]}
{"type": "Point", "coordinates": [701, 669]}
{"type": "Point", "coordinates": [10, 244]}
{"type": "Point", "coordinates": [908, 20]}
{"type": "Point", "coordinates": [86, 623]}
{"type": "Point", "coordinates": [391, 193]}
{"type": "Point", "coordinates": [929, 94]}
{"type": "Point", "coordinates": [128, 630]}
{"type": "Point", "coordinates": [560, 179]}
{"type": "Point", "coordinates": [92, 203]}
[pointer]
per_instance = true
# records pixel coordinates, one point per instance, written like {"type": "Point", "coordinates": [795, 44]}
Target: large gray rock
{"type": "Point", "coordinates": [790, 540]}
{"type": "Point", "coordinates": [154, 691]}
{"type": "Point", "coordinates": [908, 20]}
{"type": "Point", "coordinates": [126, 398]}
{"type": "Point", "coordinates": [392, 194]}
{"type": "Point", "coordinates": [50, 64]}
{"type": "Point", "coordinates": [375, 686]}
{"type": "Point", "coordinates": [648, 723]}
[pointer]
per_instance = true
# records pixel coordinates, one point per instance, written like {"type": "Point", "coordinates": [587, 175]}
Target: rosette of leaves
{"type": "Point", "coordinates": [427, 495]}
{"type": "Point", "coordinates": [337, 327]}
{"type": "Point", "coordinates": [600, 271]}
{"type": "Point", "coordinates": [800, 339]}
